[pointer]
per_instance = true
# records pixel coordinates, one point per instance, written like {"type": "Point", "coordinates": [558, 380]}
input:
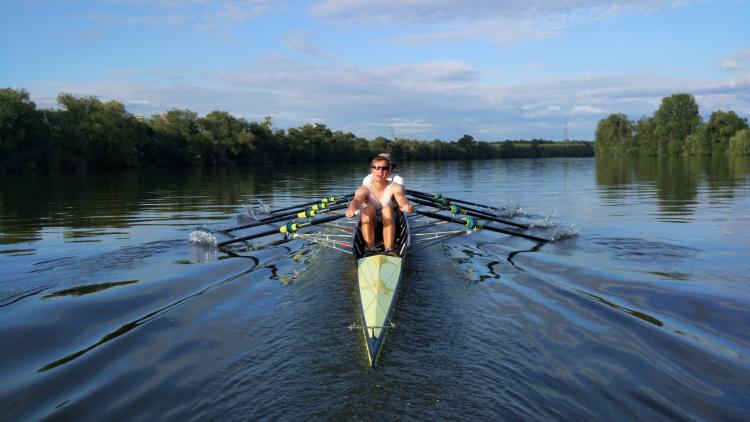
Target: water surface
{"type": "Point", "coordinates": [107, 309]}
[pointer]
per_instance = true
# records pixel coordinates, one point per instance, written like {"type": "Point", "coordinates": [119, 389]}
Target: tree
{"type": "Point", "coordinates": [677, 117]}
{"type": "Point", "coordinates": [644, 138]}
{"type": "Point", "coordinates": [720, 128]}
{"type": "Point", "coordinates": [613, 134]}
{"type": "Point", "coordinates": [467, 144]}
{"type": "Point", "coordinates": [739, 144]}
{"type": "Point", "coordinates": [105, 134]}
{"type": "Point", "coordinates": [378, 145]}
{"type": "Point", "coordinates": [22, 132]}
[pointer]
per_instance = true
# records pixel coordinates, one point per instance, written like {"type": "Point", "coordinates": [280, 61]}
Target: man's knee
{"type": "Point", "coordinates": [387, 214]}
{"type": "Point", "coordinates": [369, 214]}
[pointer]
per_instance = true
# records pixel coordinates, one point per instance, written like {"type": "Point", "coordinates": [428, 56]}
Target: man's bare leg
{"type": "Point", "coordinates": [389, 226]}
{"type": "Point", "coordinates": [368, 215]}
{"type": "Point", "coordinates": [369, 219]}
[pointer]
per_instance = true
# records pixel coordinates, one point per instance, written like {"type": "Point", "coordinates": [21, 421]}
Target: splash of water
{"type": "Point", "coordinates": [202, 237]}
{"type": "Point", "coordinates": [263, 208]}
{"type": "Point", "coordinates": [565, 232]}
{"type": "Point", "coordinates": [251, 213]}
{"type": "Point", "coordinates": [510, 208]}
{"type": "Point", "coordinates": [246, 215]}
{"type": "Point", "coordinates": [546, 222]}
{"type": "Point", "coordinates": [203, 254]}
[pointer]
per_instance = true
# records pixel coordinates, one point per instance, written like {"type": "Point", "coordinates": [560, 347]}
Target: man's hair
{"type": "Point", "coordinates": [384, 156]}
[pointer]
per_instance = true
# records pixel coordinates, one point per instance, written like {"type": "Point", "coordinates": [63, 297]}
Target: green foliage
{"type": "Point", "coordinates": [720, 128]}
{"type": "Point", "coordinates": [675, 129]}
{"type": "Point", "coordinates": [22, 132]}
{"type": "Point", "coordinates": [614, 135]}
{"type": "Point", "coordinates": [739, 144]}
{"type": "Point", "coordinates": [677, 117]}
{"type": "Point", "coordinates": [88, 133]}
{"type": "Point", "coordinates": [644, 139]}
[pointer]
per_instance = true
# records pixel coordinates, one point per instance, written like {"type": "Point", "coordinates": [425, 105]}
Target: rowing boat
{"type": "Point", "coordinates": [378, 276]}
{"type": "Point", "coordinates": [378, 280]}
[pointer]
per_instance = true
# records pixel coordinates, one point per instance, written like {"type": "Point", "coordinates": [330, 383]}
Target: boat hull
{"type": "Point", "coordinates": [378, 281]}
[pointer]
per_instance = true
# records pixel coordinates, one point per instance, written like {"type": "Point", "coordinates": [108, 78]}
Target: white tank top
{"type": "Point", "coordinates": [384, 200]}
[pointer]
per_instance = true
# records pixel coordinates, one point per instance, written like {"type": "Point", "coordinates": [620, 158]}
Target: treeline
{"type": "Point", "coordinates": [675, 129]}
{"type": "Point", "coordinates": [85, 132]}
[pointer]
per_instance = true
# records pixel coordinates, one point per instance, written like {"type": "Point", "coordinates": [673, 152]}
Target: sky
{"type": "Point", "coordinates": [421, 69]}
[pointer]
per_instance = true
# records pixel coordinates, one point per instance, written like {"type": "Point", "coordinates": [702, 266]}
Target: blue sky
{"type": "Point", "coordinates": [424, 69]}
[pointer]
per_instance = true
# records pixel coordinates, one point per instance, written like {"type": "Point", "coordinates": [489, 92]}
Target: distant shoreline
{"type": "Point", "coordinates": [85, 133]}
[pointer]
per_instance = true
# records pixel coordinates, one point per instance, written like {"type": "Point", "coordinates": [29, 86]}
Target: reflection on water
{"type": "Point", "coordinates": [88, 289]}
{"type": "Point", "coordinates": [677, 182]}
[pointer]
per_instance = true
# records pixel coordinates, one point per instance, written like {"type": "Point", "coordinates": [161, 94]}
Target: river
{"type": "Point", "coordinates": [640, 311]}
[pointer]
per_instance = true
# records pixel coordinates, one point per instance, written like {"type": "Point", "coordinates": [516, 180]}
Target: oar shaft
{"type": "Point", "coordinates": [468, 211]}
{"type": "Point", "coordinates": [329, 199]}
{"type": "Point", "coordinates": [460, 220]}
{"type": "Point", "coordinates": [279, 230]}
{"type": "Point", "coordinates": [432, 197]}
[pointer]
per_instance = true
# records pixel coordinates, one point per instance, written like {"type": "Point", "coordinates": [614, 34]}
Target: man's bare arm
{"type": "Point", "coordinates": [400, 196]}
{"type": "Point", "coordinates": [360, 198]}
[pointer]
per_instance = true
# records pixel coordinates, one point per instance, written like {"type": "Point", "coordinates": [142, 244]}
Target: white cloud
{"type": "Point", "coordinates": [199, 14]}
{"type": "Point", "coordinates": [432, 11]}
{"type": "Point", "coordinates": [586, 109]}
{"type": "Point", "coordinates": [424, 100]}
{"type": "Point", "coordinates": [406, 127]}
{"type": "Point", "coordinates": [500, 21]}
{"type": "Point", "coordinates": [738, 61]}
{"type": "Point", "coordinates": [300, 41]}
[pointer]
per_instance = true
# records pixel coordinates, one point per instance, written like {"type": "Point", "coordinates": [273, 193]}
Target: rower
{"type": "Point", "coordinates": [376, 199]}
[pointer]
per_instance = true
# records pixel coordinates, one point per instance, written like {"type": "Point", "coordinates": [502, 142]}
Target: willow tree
{"type": "Point", "coordinates": [613, 134]}
{"type": "Point", "coordinates": [739, 144]}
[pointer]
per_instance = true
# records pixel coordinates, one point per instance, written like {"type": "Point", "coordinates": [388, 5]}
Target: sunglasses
{"type": "Point", "coordinates": [385, 168]}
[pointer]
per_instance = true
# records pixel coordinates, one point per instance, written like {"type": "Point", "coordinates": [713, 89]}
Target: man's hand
{"type": "Point", "coordinates": [408, 209]}
{"type": "Point", "coordinates": [351, 211]}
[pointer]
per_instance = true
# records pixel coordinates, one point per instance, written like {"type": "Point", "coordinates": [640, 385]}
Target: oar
{"type": "Point", "coordinates": [445, 201]}
{"type": "Point", "coordinates": [441, 197]}
{"type": "Point", "coordinates": [318, 208]}
{"type": "Point", "coordinates": [454, 209]}
{"type": "Point", "coordinates": [326, 200]}
{"type": "Point", "coordinates": [470, 223]}
{"type": "Point", "coordinates": [285, 229]}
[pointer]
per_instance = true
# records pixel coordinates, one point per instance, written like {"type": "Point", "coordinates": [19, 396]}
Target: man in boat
{"type": "Point", "coordinates": [376, 199]}
{"type": "Point", "coordinates": [392, 177]}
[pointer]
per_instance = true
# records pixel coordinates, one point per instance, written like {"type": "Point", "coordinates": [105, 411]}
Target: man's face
{"type": "Point", "coordinates": [380, 169]}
